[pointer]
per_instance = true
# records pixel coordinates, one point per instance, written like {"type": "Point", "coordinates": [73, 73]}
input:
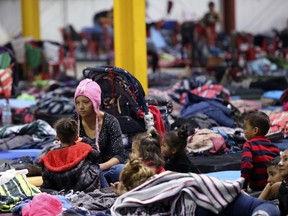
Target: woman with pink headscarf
{"type": "Point", "coordinates": [99, 129]}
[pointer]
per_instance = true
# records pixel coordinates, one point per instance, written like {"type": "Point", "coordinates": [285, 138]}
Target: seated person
{"type": "Point", "coordinates": [99, 129]}
{"type": "Point", "coordinates": [257, 151]}
{"type": "Point", "coordinates": [73, 165]}
{"type": "Point", "coordinates": [283, 191]}
{"type": "Point", "coordinates": [147, 147]}
{"type": "Point", "coordinates": [145, 161]}
{"type": "Point", "coordinates": [274, 180]}
{"type": "Point", "coordinates": [173, 149]}
{"type": "Point", "coordinates": [134, 173]}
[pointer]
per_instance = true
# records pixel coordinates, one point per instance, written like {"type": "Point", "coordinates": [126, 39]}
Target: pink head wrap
{"type": "Point", "coordinates": [91, 90]}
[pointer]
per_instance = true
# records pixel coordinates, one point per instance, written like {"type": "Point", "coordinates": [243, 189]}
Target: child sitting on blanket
{"type": "Point", "coordinates": [274, 180]}
{"type": "Point", "coordinates": [73, 165]}
{"type": "Point", "coordinates": [257, 151]}
{"type": "Point", "coordinates": [147, 147]}
{"type": "Point", "coordinates": [173, 149]}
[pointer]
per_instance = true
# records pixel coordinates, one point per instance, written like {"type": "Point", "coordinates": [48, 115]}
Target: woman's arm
{"type": "Point", "coordinates": [106, 165]}
{"type": "Point", "coordinates": [116, 145]}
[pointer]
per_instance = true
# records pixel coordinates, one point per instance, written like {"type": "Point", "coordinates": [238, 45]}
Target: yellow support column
{"type": "Point", "coordinates": [130, 38]}
{"type": "Point", "coordinates": [30, 18]}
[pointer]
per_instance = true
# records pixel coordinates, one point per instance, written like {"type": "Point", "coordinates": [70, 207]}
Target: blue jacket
{"type": "Point", "coordinates": [213, 109]}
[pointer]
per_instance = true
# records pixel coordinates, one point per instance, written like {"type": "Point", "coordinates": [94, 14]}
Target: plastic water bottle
{"type": "Point", "coordinates": [6, 114]}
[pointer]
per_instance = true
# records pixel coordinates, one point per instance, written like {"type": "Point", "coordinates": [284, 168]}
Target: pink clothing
{"type": "Point", "coordinates": [43, 205]}
{"type": "Point", "coordinates": [91, 90]}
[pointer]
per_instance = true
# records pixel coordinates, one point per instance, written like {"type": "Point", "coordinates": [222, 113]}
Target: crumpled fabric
{"type": "Point", "coordinates": [43, 205]}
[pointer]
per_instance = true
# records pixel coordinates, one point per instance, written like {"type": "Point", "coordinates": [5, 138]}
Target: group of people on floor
{"type": "Point", "coordinates": [92, 156]}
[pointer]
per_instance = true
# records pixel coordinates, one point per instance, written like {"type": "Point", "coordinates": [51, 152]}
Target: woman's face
{"type": "Point", "coordinates": [84, 106]}
{"type": "Point", "coordinates": [283, 165]}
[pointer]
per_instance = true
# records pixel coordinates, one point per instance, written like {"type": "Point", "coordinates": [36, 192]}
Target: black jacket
{"type": "Point", "coordinates": [181, 163]}
{"type": "Point", "coordinates": [73, 167]}
{"type": "Point", "coordinates": [283, 198]}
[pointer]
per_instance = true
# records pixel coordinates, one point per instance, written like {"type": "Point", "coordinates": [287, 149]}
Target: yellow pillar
{"type": "Point", "coordinates": [130, 38]}
{"type": "Point", "coordinates": [30, 18]}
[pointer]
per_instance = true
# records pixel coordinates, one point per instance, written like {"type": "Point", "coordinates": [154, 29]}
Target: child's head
{"type": "Point", "coordinates": [283, 165]}
{"type": "Point", "coordinates": [147, 147]}
{"type": "Point", "coordinates": [66, 131]}
{"type": "Point", "coordinates": [135, 173]}
{"type": "Point", "coordinates": [256, 123]}
{"type": "Point", "coordinates": [136, 142]}
{"type": "Point", "coordinates": [175, 142]}
{"type": "Point", "coordinates": [273, 171]}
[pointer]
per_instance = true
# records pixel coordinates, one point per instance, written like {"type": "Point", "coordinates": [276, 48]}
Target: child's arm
{"type": "Point", "coordinates": [270, 191]}
{"type": "Point", "coordinates": [265, 193]}
{"type": "Point", "coordinates": [247, 163]}
{"type": "Point", "coordinates": [274, 190]}
{"type": "Point", "coordinates": [118, 188]}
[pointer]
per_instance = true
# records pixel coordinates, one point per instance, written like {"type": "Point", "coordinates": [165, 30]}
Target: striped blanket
{"type": "Point", "coordinates": [172, 193]}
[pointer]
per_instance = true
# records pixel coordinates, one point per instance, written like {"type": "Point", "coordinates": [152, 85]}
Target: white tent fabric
{"type": "Point", "coordinates": [261, 15]}
{"type": "Point", "coordinates": [253, 16]}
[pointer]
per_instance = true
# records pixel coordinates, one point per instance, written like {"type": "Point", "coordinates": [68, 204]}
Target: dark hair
{"type": "Point", "coordinates": [100, 15]}
{"type": "Point", "coordinates": [149, 149]}
{"type": "Point", "coordinates": [177, 139]}
{"type": "Point", "coordinates": [211, 4]}
{"type": "Point", "coordinates": [66, 130]}
{"type": "Point", "coordinates": [259, 119]}
{"type": "Point", "coordinates": [273, 162]}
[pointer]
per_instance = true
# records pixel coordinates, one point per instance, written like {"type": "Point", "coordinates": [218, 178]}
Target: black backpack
{"type": "Point", "coordinates": [122, 96]}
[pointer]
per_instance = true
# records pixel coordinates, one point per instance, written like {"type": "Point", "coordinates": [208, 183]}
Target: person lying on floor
{"type": "Point", "coordinates": [74, 165]}
{"type": "Point", "coordinates": [171, 193]}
